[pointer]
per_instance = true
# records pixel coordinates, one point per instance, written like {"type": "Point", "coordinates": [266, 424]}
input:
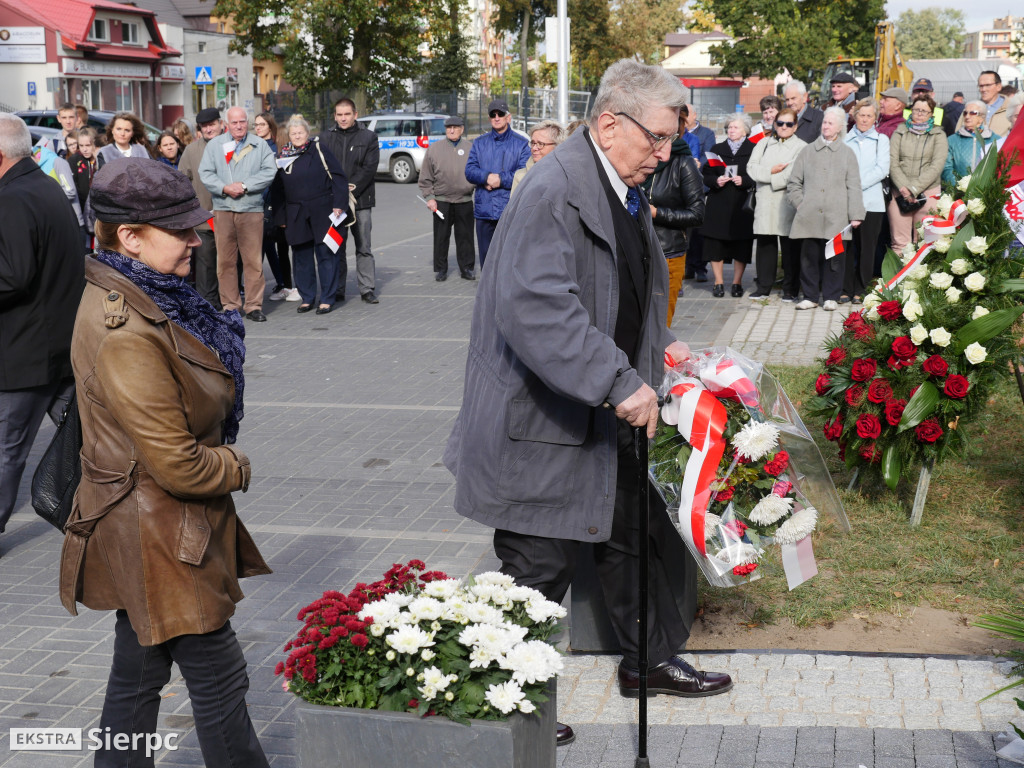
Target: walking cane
{"type": "Point", "coordinates": [640, 447]}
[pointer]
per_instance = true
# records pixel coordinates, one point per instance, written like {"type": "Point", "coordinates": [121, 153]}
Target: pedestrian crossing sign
{"type": "Point", "coordinates": [204, 75]}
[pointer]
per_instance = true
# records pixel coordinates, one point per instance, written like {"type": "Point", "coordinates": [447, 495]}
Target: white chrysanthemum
{"type": "Point", "coordinates": [496, 578]}
{"type": "Point", "coordinates": [493, 593]}
{"type": "Point", "coordinates": [540, 610]}
{"type": "Point", "coordinates": [919, 272]}
{"type": "Point", "coordinates": [979, 311]}
{"type": "Point", "coordinates": [799, 526]}
{"type": "Point", "coordinates": [977, 245]}
{"type": "Point", "coordinates": [960, 266]}
{"type": "Point", "coordinates": [945, 202]}
{"type": "Point", "coordinates": [953, 295]}
{"type": "Point", "coordinates": [940, 337]}
{"type": "Point", "coordinates": [711, 523]}
{"type": "Point", "coordinates": [505, 697]}
{"type": "Point", "coordinates": [434, 677]}
{"type": "Point", "coordinates": [426, 654]}
{"type": "Point", "coordinates": [532, 662]}
{"type": "Point", "coordinates": [770, 509]}
{"type": "Point", "coordinates": [756, 439]}
{"type": "Point", "coordinates": [526, 706]}
{"type": "Point", "coordinates": [975, 206]}
{"type": "Point", "coordinates": [409, 639]}
{"type": "Point", "coordinates": [482, 656]}
{"type": "Point", "coordinates": [377, 629]}
{"type": "Point", "coordinates": [383, 612]}
{"type": "Point", "coordinates": [522, 594]}
{"type": "Point", "coordinates": [425, 609]}
{"type": "Point", "coordinates": [482, 613]}
{"type": "Point", "coordinates": [401, 599]}
{"type": "Point", "coordinates": [974, 282]}
{"type": "Point", "coordinates": [912, 310]}
{"type": "Point", "coordinates": [455, 608]}
{"type": "Point", "coordinates": [964, 183]}
{"type": "Point", "coordinates": [918, 333]}
{"type": "Point", "coordinates": [739, 553]}
{"type": "Point", "coordinates": [940, 280]}
{"type": "Point", "coordinates": [442, 589]}
{"type": "Point", "coordinates": [941, 244]}
{"type": "Point", "coordinates": [975, 353]}
{"type": "Point", "coordinates": [872, 300]}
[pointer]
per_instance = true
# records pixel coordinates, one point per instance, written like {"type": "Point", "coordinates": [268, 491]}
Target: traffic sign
{"type": "Point", "coordinates": [31, 89]}
{"type": "Point", "coordinates": [204, 75]}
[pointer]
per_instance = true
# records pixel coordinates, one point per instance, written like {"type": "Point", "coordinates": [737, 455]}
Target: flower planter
{"type": "Point", "coordinates": [370, 738]}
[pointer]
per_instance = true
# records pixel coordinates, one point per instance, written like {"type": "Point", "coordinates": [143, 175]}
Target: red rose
{"type": "Point", "coordinates": [836, 356]}
{"type": "Point", "coordinates": [895, 363]}
{"type": "Point", "coordinates": [853, 320]}
{"type": "Point", "coordinates": [863, 369]}
{"type": "Point", "coordinates": [890, 310]}
{"type": "Point", "coordinates": [928, 431]}
{"type": "Point", "coordinates": [777, 465]}
{"type": "Point", "coordinates": [833, 429]}
{"type": "Point", "coordinates": [904, 348]}
{"type": "Point", "coordinates": [894, 411]}
{"type": "Point", "coordinates": [879, 391]}
{"type": "Point", "coordinates": [725, 494]}
{"type": "Point", "coordinates": [821, 385]}
{"type": "Point", "coordinates": [871, 454]}
{"type": "Point", "coordinates": [744, 570]}
{"type": "Point", "coordinates": [935, 365]}
{"type": "Point", "coordinates": [842, 451]}
{"type": "Point", "coordinates": [863, 333]}
{"type": "Point", "coordinates": [868, 426]}
{"type": "Point", "coordinates": [855, 395]}
{"type": "Point", "coordinates": [782, 488]}
{"type": "Point", "coordinates": [738, 527]}
{"type": "Point", "coordinates": [956, 386]}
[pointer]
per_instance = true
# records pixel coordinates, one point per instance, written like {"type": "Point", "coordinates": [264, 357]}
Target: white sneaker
{"type": "Point", "coordinates": [807, 304]}
{"type": "Point", "coordinates": [293, 295]}
{"type": "Point", "coordinates": [280, 294]}
{"type": "Point", "coordinates": [830, 306]}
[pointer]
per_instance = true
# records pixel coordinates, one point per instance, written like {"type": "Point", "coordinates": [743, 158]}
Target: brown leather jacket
{"type": "Point", "coordinates": [154, 529]}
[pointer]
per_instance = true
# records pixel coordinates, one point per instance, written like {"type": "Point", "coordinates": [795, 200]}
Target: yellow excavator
{"type": "Point", "coordinates": [886, 70]}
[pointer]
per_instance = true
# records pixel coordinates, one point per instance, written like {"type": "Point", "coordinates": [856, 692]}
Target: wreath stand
{"type": "Point", "coordinates": [923, 481]}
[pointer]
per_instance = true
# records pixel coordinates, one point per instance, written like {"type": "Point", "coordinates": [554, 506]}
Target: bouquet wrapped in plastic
{"type": "Point", "coordinates": [738, 469]}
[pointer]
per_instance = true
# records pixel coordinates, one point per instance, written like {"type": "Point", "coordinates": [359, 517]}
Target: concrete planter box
{"type": "Point", "coordinates": [369, 738]}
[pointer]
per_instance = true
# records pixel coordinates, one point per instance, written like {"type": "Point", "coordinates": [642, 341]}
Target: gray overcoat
{"type": "Point", "coordinates": [533, 449]}
{"type": "Point", "coordinates": [824, 187]}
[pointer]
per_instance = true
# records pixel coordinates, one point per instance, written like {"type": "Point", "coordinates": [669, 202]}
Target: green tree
{"type": "Point", "coordinates": [638, 28]}
{"type": "Point", "coordinates": [524, 18]}
{"type": "Point", "coordinates": [588, 40]}
{"type": "Point", "coordinates": [452, 64]}
{"type": "Point", "coordinates": [931, 33]}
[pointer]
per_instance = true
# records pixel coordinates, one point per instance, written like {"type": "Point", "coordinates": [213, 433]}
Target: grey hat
{"type": "Point", "coordinates": [896, 93]}
{"type": "Point", "coordinates": [844, 77]}
{"type": "Point", "coordinates": [207, 115]}
{"type": "Point", "coordinates": [454, 120]}
{"type": "Point", "coordinates": [137, 190]}
{"type": "Point", "coordinates": [498, 105]}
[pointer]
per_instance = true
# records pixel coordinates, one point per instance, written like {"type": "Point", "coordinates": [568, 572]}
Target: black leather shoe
{"type": "Point", "coordinates": [370, 298]}
{"type": "Point", "coordinates": [737, 290]}
{"type": "Point", "coordinates": [257, 316]}
{"type": "Point", "coordinates": [440, 276]}
{"type": "Point", "coordinates": [324, 310]}
{"type": "Point", "coordinates": [702, 277]}
{"type": "Point", "coordinates": [467, 274]}
{"type": "Point", "coordinates": [303, 308]}
{"type": "Point", "coordinates": [564, 735]}
{"type": "Point", "coordinates": [718, 291]}
{"type": "Point", "coordinates": [339, 296]}
{"type": "Point", "coordinates": [676, 678]}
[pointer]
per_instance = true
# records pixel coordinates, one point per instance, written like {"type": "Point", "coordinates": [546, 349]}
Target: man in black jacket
{"type": "Point", "coordinates": [808, 119]}
{"type": "Point", "coordinates": [357, 149]}
{"type": "Point", "coordinates": [41, 283]}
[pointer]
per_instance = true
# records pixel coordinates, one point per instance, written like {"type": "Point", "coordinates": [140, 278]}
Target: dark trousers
{"type": "Point", "coordinates": [21, 411]}
{"type": "Point", "coordinates": [484, 232]}
{"type": "Point", "coordinates": [695, 264]}
{"type": "Point", "coordinates": [767, 259]}
{"type": "Point", "coordinates": [548, 565]}
{"type": "Point", "coordinates": [366, 273]}
{"type": "Point", "coordinates": [214, 670]}
{"type": "Point", "coordinates": [204, 263]}
{"type": "Point", "coordinates": [820, 279]}
{"type": "Point", "coordinates": [326, 268]}
{"type": "Point", "coordinates": [459, 216]}
{"type": "Point", "coordinates": [860, 261]}
{"type": "Point", "coordinates": [275, 248]}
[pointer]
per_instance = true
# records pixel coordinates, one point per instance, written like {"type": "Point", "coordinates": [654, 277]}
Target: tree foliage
{"type": "Point", "coordinates": [638, 28]}
{"type": "Point", "coordinates": [931, 33]}
{"type": "Point", "coordinates": [452, 64]}
{"type": "Point", "coordinates": [801, 36]}
{"type": "Point", "coordinates": [525, 19]}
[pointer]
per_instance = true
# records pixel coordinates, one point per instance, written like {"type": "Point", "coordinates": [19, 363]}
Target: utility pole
{"type": "Point", "coordinates": [563, 62]}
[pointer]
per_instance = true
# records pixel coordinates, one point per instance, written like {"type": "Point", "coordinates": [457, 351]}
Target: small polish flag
{"type": "Point", "coordinates": [210, 222]}
{"type": "Point", "coordinates": [757, 133]}
{"type": "Point", "coordinates": [798, 562]}
{"type": "Point", "coordinates": [834, 246]}
{"type": "Point", "coordinates": [229, 150]}
{"type": "Point", "coordinates": [333, 238]}
{"type": "Point", "coordinates": [714, 160]}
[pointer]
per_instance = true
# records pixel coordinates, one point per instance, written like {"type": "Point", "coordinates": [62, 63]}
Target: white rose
{"type": "Point", "coordinates": [960, 266]}
{"type": "Point", "coordinates": [979, 311]}
{"type": "Point", "coordinates": [964, 183]}
{"type": "Point", "coordinates": [944, 204]}
{"type": "Point", "coordinates": [918, 333]}
{"type": "Point", "coordinates": [941, 244]}
{"type": "Point", "coordinates": [912, 311]}
{"type": "Point", "coordinates": [953, 295]}
{"type": "Point", "coordinates": [977, 244]}
{"type": "Point", "coordinates": [908, 252]}
{"type": "Point", "coordinates": [940, 337]}
{"type": "Point", "coordinates": [872, 300]}
{"type": "Point", "coordinates": [872, 314]}
{"type": "Point", "coordinates": [941, 280]}
{"type": "Point", "coordinates": [975, 353]}
{"type": "Point", "coordinates": [975, 206]}
{"type": "Point", "coordinates": [974, 281]}
{"type": "Point", "coordinates": [920, 272]}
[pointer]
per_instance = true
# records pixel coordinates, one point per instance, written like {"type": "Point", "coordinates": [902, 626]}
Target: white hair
{"type": "Point", "coordinates": [840, 114]}
{"type": "Point", "coordinates": [296, 120]}
{"type": "Point", "coordinates": [557, 132]}
{"type": "Point", "coordinates": [634, 88]}
{"type": "Point", "coordinates": [978, 104]}
{"type": "Point", "coordinates": [15, 139]}
{"type": "Point", "coordinates": [795, 85]}
{"type": "Point", "coordinates": [739, 117]}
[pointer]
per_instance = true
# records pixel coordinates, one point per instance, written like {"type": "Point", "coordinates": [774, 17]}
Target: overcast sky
{"type": "Point", "coordinates": [979, 13]}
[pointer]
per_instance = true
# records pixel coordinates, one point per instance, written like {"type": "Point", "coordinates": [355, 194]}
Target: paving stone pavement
{"type": "Point", "coordinates": [346, 419]}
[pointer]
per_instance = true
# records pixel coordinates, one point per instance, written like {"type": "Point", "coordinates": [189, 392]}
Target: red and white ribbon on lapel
{"type": "Point", "coordinates": [923, 251]}
{"type": "Point", "coordinates": [933, 227]}
{"type": "Point", "coordinates": [726, 379]}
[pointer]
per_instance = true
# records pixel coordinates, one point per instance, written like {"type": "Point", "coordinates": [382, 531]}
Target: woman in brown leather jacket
{"type": "Point", "coordinates": [154, 535]}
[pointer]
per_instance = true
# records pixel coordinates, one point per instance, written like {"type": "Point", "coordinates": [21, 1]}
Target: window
{"type": "Point", "coordinates": [201, 47]}
{"type": "Point", "coordinates": [409, 128]}
{"type": "Point", "coordinates": [99, 30]}
{"type": "Point", "coordinates": [436, 126]}
{"type": "Point", "coordinates": [123, 96]}
{"type": "Point", "coordinates": [387, 127]}
{"type": "Point", "coordinates": [130, 33]}
{"type": "Point", "coordinates": [91, 94]}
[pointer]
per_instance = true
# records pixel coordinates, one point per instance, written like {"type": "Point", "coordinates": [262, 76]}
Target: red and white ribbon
{"type": "Point", "coordinates": [934, 227]}
{"type": "Point", "coordinates": [923, 251]}
{"type": "Point", "coordinates": [726, 379]}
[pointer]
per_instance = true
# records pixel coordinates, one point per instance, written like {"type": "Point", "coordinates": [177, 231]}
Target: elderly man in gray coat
{"type": "Point", "coordinates": [569, 319]}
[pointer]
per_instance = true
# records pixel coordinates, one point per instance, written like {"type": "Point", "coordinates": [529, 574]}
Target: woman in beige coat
{"type": "Point", "coordinates": [770, 165]}
{"type": "Point", "coordinates": [154, 535]}
{"type": "Point", "coordinates": [917, 156]}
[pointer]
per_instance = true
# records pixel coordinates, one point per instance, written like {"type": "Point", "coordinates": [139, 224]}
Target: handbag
{"type": "Point", "coordinates": [909, 206]}
{"type": "Point", "coordinates": [350, 214]}
{"type": "Point", "coordinates": [60, 470]}
{"type": "Point", "coordinates": [750, 202]}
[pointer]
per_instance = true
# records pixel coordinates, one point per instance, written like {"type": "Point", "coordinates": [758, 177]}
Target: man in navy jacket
{"type": "Point", "coordinates": [493, 161]}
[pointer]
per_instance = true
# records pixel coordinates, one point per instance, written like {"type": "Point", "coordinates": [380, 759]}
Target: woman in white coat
{"type": "Point", "coordinates": [872, 150]}
{"type": "Point", "coordinates": [770, 165]}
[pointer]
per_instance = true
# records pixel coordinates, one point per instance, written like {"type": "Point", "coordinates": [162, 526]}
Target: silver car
{"type": "Point", "coordinates": [403, 138]}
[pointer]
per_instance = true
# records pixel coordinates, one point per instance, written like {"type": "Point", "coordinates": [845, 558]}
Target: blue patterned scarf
{"type": "Point", "coordinates": [221, 332]}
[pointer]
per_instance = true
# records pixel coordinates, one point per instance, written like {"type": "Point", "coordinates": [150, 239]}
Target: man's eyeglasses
{"type": "Point", "coordinates": [987, 85]}
{"type": "Point", "coordinates": [497, 113]}
{"type": "Point", "coordinates": [539, 144]}
{"type": "Point", "coordinates": [973, 112]}
{"type": "Point", "coordinates": [658, 140]}
{"type": "Point", "coordinates": [785, 123]}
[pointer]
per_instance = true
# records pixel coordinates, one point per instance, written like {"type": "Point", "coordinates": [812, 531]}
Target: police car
{"type": "Point", "coordinates": [403, 138]}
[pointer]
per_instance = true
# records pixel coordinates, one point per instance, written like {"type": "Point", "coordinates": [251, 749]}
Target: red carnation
{"type": "Point", "coordinates": [871, 454]}
{"type": "Point", "coordinates": [904, 348]}
{"type": "Point", "coordinates": [890, 310]}
{"type": "Point", "coordinates": [855, 395]}
{"type": "Point", "coordinates": [928, 431]}
{"type": "Point", "coordinates": [821, 385]}
{"type": "Point", "coordinates": [868, 426]}
{"type": "Point", "coordinates": [359, 641]}
{"type": "Point", "coordinates": [777, 465]}
{"type": "Point", "coordinates": [863, 333]}
{"type": "Point", "coordinates": [833, 429]}
{"type": "Point", "coordinates": [956, 386]}
{"type": "Point", "coordinates": [744, 570]}
{"type": "Point", "coordinates": [879, 391]}
{"type": "Point", "coordinates": [836, 356]}
{"type": "Point", "coordinates": [725, 494]}
{"type": "Point", "coordinates": [894, 411]}
{"type": "Point", "coordinates": [863, 369]}
{"type": "Point", "coordinates": [935, 365]}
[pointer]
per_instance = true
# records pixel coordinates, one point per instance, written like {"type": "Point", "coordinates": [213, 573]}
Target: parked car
{"type": "Point", "coordinates": [403, 138]}
{"type": "Point", "coordinates": [39, 132]}
{"type": "Point", "coordinates": [98, 119]}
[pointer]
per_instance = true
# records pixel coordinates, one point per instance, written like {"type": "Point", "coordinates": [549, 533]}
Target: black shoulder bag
{"type": "Point", "coordinates": [60, 470]}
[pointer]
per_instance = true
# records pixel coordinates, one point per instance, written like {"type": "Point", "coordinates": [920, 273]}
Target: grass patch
{"type": "Point", "coordinates": [966, 556]}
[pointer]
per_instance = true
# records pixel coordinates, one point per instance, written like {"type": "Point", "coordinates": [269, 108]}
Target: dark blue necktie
{"type": "Point", "coordinates": [632, 202]}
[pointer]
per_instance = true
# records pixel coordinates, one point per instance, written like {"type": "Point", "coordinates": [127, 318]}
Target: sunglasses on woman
{"type": "Point", "coordinates": [785, 123]}
{"type": "Point", "coordinates": [972, 112]}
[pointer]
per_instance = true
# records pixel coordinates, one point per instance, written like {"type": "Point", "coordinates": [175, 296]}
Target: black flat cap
{"type": "Point", "coordinates": [454, 120]}
{"type": "Point", "coordinates": [137, 190]}
{"type": "Point", "coordinates": [498, 105]}
{"type": "Point", "coordinates": [208, 115]}
{"type": "Point", "coordinates": [844, 77]}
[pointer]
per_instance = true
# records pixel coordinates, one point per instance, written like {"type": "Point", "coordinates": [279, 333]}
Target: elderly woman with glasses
{"type": "Point", "coordinates": [872, 151]}
{"type": "Point", "coordinates": [544, 137]}
{"type": "Point", "coordinates": [970, 142]}
{"type": "Point", "coordinates": [917, 155]}
{"type": "Point", "coordinates": [729, 228]}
